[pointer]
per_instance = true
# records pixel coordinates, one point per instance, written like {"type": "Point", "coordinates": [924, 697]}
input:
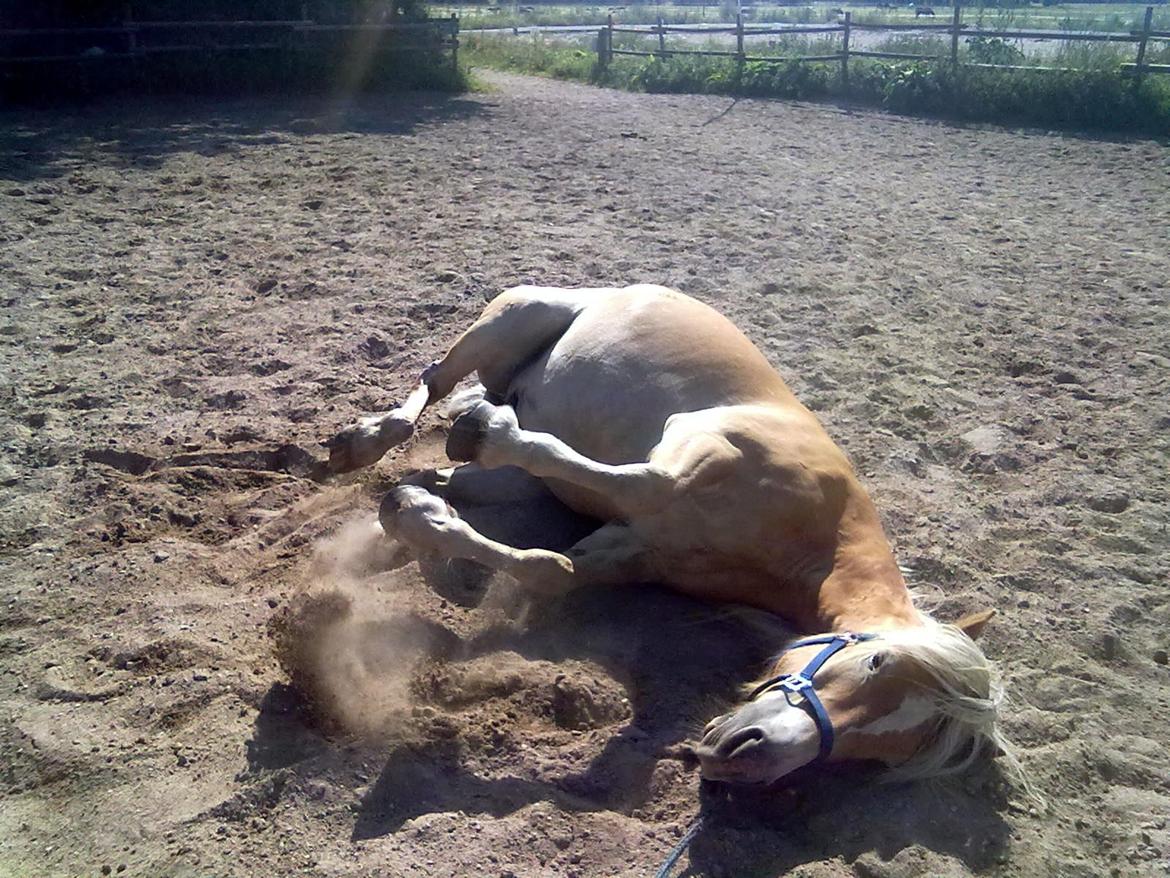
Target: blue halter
{"type": "Point", "coordinates": [802, 684]}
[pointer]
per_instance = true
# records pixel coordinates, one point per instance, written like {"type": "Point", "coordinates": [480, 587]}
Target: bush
{"type": "Point", "coordinates": [1103, 98]}
{"type": "Point", "coordinates": [993, 50]}
{"type": "Point", "coordinates": [1082, 99]}
{"type": "Point", "coordinates": [224, 61]}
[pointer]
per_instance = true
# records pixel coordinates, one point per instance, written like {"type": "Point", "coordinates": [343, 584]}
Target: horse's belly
{"type": "Point", "coordinates": [609, 384]}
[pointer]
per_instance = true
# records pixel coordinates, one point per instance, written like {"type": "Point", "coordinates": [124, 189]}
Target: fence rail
{"type": "Point", "coordinates": [956, 29]}
{"type": "Point", "coordinates": [134, 40]}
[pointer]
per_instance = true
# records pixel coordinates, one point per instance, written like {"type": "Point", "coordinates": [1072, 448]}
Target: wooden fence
{"type": "Point", "coordinates": [956, 29]}
{"type": "Point", "coordinates": [137, 41]}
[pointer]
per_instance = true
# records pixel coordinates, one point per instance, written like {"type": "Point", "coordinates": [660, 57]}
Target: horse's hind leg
{"type": "Point", "coordinates": [692, 454]}
{"type": "Point", "coordinates": [513, 329]}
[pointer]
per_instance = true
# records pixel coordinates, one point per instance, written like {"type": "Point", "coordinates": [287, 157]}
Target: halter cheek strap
{"type": "Point", "coordinates": [802, 684]}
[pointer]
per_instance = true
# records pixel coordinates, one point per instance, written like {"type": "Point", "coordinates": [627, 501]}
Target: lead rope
{"type": "Point", "coordinates": [683, 843]}
{"type": "Point", "coordinates": [712, 796]}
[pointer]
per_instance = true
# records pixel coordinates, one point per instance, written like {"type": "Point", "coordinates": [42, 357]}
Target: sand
{"type": "Point", "coordinates": [194, 293]}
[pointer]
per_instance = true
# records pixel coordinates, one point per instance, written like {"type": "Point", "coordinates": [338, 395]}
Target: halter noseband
{"type": "Point", "coordinates": [802, 683]}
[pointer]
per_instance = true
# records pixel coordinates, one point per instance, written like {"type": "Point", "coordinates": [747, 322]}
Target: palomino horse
{"type": "Point", "coordinates": [650, 411]}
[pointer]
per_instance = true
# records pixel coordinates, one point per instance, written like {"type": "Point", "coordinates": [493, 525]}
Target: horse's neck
{"type": "Point", "coordinates": [859, 598]}
{"type": "Point", "coordinates": [865, 591]}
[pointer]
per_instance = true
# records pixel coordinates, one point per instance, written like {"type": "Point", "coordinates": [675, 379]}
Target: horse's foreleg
{"type": "Point", "coordinates": [364, 443]}
{"type": "Point", "coordinates": [492, 437]}
{"type": "Point", "coordinates": [429, 525]}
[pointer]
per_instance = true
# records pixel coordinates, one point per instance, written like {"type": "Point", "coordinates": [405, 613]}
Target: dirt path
{"type": "Point", "coordinates": [194, 294]}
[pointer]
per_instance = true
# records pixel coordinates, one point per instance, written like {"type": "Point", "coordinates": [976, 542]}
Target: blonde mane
{"type": "Point", "coordinates": [965, 690]}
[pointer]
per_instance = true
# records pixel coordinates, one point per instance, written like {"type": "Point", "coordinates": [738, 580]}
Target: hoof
{"type": "Point", "coordinates": [406, 495]}
{"type": "Point", "coordinates": [467, 434]}
{"type": "Point", "coordinates": [388, 511]}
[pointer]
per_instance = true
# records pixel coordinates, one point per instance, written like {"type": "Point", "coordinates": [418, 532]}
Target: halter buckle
{"type": "Point", "coordinates": [795, 683]}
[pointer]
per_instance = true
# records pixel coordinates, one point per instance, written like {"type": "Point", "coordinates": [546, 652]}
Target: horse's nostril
{"type": "Point", "coordinates": [739, 742]}
{"type": "Point", "coordinates": [714, 724]}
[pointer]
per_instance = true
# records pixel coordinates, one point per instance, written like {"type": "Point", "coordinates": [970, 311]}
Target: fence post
{"type": "Point", "coordinates": [454, 42]}
{"type": "Point", "coordinates": [845, 51]}
{"type": "Point", "coordinates": [128, 23]}
{"type": "Point", "coordinates": [601, 35]}
{"type": "Point", "coordinates": [739, 56]}
{"type": "Point", "coordinates": [661, 38]}
{"type": "Point", "coordinates": [956, 24]}
{"type": "Point", "coordinates": [1141, 52]}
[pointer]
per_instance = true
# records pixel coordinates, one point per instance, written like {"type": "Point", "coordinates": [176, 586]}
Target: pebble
{"type": "Point", "coordinates": [1160, 657]}
{"type": "Point", "coordinates": [987, 439]}
{"type": "Point", "coordinates": [160, 556]}
{"type": "Point", "coordinates": [1109, 644]}
{"type": "Point", "coordinates": [1111, 503]}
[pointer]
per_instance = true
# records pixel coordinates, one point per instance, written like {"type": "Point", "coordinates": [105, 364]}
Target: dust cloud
{"type": "Point", "coordinates": [346, 641]}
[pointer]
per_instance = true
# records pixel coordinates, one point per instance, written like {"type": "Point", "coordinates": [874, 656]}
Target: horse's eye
{"type": "Point", "coordinates": [875, 661]}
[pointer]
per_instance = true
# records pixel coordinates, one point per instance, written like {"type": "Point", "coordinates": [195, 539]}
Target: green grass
{"type": "Point", "coordinates": [1100, 97]}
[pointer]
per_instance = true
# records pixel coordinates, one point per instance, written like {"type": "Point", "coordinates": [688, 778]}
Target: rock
{"type": "Point", "coordinates": [127, 461]}
{"type": "Point", "coordinates": [265, 286]}
{"type": "Point", "coordinates": [374, 348]}
{"type": "Point", "coordinates": [987, 439]}
{"type": "Point", "coordinates": [447, 276]}
{"type": "Point", "coordinates": [160, 556]}
{"type": "Point", "coordinates": [1113, 503]}
{"type": "Point", "coordinates": [910, 862]}
{"type": "Point", "coordinates": [1160, 657]}
{"type": "Point", "coordinates": [1109, 645]}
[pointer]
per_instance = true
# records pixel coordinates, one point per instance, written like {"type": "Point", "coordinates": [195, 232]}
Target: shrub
{"type": "Point", "coordinates": [1103, 98]}
{"type": "Point", "coordinates": [340, 61]}
{"type": "Point", "coordinates": [993, 50]}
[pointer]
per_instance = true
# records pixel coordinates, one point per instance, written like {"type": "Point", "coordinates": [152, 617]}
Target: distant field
{"type": "Point", "coordinates": [1078, 16]}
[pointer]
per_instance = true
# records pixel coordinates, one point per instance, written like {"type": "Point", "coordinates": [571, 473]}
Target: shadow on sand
{"type": "Point", "coordinates": [47, 143]}
{"type": "Point", "coordinates": [681, 661]}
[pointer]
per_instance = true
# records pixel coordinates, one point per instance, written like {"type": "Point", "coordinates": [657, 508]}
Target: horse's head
{"type": "Point", "coordinates": [922, 700]}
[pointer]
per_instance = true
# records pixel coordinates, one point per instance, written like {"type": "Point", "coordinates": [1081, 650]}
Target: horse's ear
{"type": "Point", "coordinates": [973, 623]}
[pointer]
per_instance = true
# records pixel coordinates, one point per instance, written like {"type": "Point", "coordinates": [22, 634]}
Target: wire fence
{"type": "Point", "coordinates": [955, 29]}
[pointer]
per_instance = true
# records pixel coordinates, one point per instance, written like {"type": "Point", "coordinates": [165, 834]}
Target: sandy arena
{"type": "Point", "coordinates": [194, 294]}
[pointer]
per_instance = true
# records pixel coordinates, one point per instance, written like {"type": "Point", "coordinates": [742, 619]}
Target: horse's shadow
{"type": "Point", "coordinates": [681, 661]}
{"type": "Point", "coordinates": [676, 661]}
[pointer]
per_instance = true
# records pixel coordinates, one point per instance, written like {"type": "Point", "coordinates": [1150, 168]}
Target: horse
{"type": "Point", "coordinates": [651, 412]}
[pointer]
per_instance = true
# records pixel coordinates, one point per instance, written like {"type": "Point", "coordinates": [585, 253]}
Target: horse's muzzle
{"type": "Point", "coordinates": [759, 743]}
